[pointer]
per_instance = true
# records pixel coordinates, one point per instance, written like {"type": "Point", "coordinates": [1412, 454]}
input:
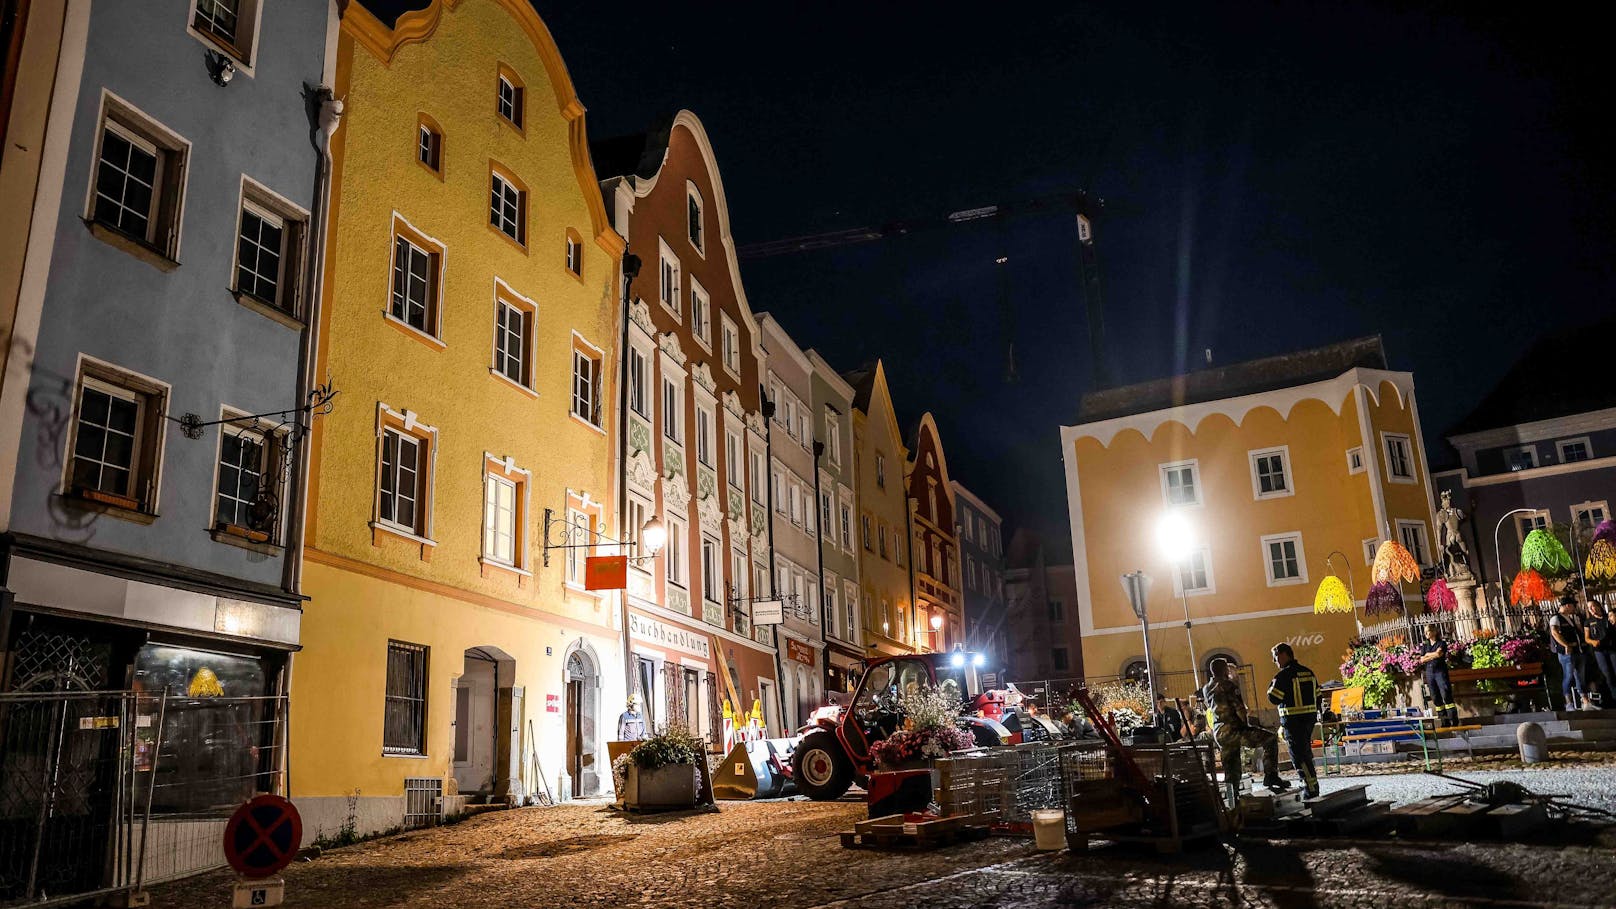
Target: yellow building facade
{"type": "Point", "coordinates": [471, 279]}
{"type": "Point", "coordinates": [1237, 498]}
{"type": "Point", "coordinates": [880, 458]}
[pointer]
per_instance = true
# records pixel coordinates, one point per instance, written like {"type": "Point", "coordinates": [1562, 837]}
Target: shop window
{"type": "Point", "coordinates": [217, 729]}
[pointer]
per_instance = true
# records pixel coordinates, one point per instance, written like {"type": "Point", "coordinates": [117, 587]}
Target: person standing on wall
{"type": "Point", "coordinates": [1434, 661]}
{"type": "Point", "coordinates": [1295, 692]}
{"type": "Point", "coordinates": [1570, 645]}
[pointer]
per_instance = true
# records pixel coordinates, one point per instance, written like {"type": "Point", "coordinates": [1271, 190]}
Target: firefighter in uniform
{"type": "Point", "coordinates": [1295, 692]}
{"type": "Point", "coordinates": [1434, 661]}
{"type": "Point", "coordinates": [1232, 729]}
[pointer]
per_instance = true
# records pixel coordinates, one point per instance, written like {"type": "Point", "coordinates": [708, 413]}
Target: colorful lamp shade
{"type": "Point", "coordinates": [1529, 587]}
{"type": "Point", "coordinates": [1383, 597]}
{"type": "Point", "coordinates": [1601, 564]}
{"type": "Point", "coordinates": [1394, 564]}
{"type": "Point", "coordinates": [1440, 599]}
{"type": "Point", "coordinates": [1541, 552]}
{"type": "Point", "coordinates": [1606, 531]}
{"type": "Point", "coordinates": [1332, 596]}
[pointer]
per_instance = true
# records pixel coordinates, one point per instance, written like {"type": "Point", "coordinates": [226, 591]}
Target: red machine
{"type": "Point", "coordinates": [834, 750]}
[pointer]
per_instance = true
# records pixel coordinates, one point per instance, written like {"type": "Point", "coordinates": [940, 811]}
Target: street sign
{"type": "Point", "coordinates": [768, 612]}
{"type": "Point", "coordinates": [262, 836]}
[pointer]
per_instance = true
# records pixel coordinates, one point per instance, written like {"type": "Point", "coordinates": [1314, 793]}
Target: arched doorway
{"type": "Point", "coordinates": [484, 707]}
{"type": "Point", "coordinates": [582, 679]}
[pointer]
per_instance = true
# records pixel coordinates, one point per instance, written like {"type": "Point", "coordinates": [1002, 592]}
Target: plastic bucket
{"type": "Point", "coordinates": [1049, 829]}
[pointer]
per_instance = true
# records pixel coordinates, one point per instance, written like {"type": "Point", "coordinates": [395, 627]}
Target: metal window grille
{"type": "Point", "coordinates": [423, 802]}
{"type": "Point", "coordinates": [404, 723]}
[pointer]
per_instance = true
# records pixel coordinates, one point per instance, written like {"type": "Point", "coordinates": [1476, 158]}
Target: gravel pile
{"type": "Point", "coordinates": [1591, 786]}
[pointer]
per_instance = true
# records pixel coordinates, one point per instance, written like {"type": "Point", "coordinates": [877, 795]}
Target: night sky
{"type": "Point", "coordinates": [1274, 178]}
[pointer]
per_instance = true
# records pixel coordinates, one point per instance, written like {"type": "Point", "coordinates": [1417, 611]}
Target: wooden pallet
{"type": "Point", "coordinates": [894, 832]}
{"type": "Point", "coordinates": [1205, 832]}
{"type": "Point", "coordinates": [1452, 816]}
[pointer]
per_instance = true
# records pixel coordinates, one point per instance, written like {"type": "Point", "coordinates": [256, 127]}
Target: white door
{"type": "Point", "coordinates": [474, 728]}
{"type": "Point", "coordinates": [771, 707]}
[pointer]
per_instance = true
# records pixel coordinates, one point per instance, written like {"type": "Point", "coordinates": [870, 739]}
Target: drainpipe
{"type": "Point", "coordinates": [819, 550]}
{"type": "Point", "coordinates": [909, 534]}
{"type": "Point", "coordinates": [774, 575]}
{"type": "Point", "coordinates": [630, 271]}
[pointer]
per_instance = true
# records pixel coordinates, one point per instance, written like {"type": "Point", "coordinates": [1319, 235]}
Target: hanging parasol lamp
{"type": "Point", "coordinates": [1601, 564]}
{"type": "Point", "coordinates": [1529, 587]}
{"type": "Point", "coordinates": [1606, 531]}
{"type": "Point", "coordinates": [1332, 596]}
{"type": "Point", "coordinates": [1394, 564]}
{"type": "Point", "coordinates": [1439, 598]}
{"type": "Point", "coordinates": [1541, 552]}
{"type": "Point", "coordinates": [1383, 597]}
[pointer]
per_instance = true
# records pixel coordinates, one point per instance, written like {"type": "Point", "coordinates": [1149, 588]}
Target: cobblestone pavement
{"type": "Point", "coordinates": [785, 853]}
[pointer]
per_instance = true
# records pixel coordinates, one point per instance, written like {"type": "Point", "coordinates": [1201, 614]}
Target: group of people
{"type": "Point", "coordinates": [1581, 639]}
{"type": "Point", "coordinates": [1294, 692]}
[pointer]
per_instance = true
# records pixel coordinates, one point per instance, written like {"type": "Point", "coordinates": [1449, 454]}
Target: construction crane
{"type": "Point", "coordinates": [1083, 209]}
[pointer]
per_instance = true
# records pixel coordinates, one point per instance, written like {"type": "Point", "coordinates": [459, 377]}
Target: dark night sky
{"type": "Point", "coordinates": [1274, 178]}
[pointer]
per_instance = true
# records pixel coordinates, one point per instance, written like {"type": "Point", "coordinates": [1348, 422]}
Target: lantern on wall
{"type": "Point", "coordinates": [1529, 587]}
{"type": "Point", "coordinates": [1541, 552]}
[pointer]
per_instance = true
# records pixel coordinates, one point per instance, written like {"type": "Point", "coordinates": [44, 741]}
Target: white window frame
{"type": "Point", "coordinates": [1531, 457]}
{"type": "Point", "coordinates": [1424, 536]}
{"type": "Point", "coordinates": [1205, 552]}
{"type": "Point", "coordinates": [1578, 509]}
{"type": "Point", "coordinates": [673, 409]}
{"type": "Point", "coordinates": [492, 533]}
{"type": "Point", "coordinates": [733, 468]}
{"type": "Point", "coordinates": [827, 507]}
{"type": "Point", "coordinates": [827, 605]}
{"type": "Point", "coordinates": [1371, 547]}
{"type": "Point", "coordinates": [673, 553]}
{"type": "Point", "coordinates": [583, 351]}
{"type": "Point", "coordinates": [640, 400]}
{"type": "Point", "coordinates": [268, 205]}
{"type": "Point", "coordinates": [833, 437]}
{"type": "Point", "coordinates": [639, 511]}
{"type": "Point", "coordinates": [1283, 452]}
{"type": "Point", "coordinates": [668, 280]}
{"type": "Point", "coordinates": [506, 298]}
{"type": "Point", "coordinates": [1194, 467]}
{"type": "Point", "coordinates": [701, 315]}
{"type": "Point", "coordinates": [706, 436]}
{"type": "Point", "coordinates": [164, 226]}
{"type": "Point", "coordinates": [1387, 440]}
{"type": "Point", "coordinates": [1523, 519]}
{"type": "Point", "coordinates": [759, 475]}
{"type": "Point", "coordinates": [1355, 460]}
{"type": "Point", "coordinates": [268, 466]}
{"type": "Point", "coordinates": [243, 50]}
{"type": "Point", "coordinates": [425, 461]}
{"type": "Point", "coordinates": [517, 116]}
{"type": "Point", "coordinates": [712, 571]}
{"type": "Point", "coordinates": [1587, 447]}
{"type": "Point", "coordinates": [699, 241]}
{"type": "Point", "coordinates": [1268, 562]}
{"type": "Point", "coordinates": [574, 260]}
{"type": "Point", "coordinates": [880, 470]}
{"type": "Point", "coordinates": [505, 188]}
{"type": "Point", "coordinates": [730, 341]}
{"type": "Point", "coordinates": [844, 518]}
{"type": "Point", "coordinates": [850, 605]}
{"type": "Point", "coordinates": [410, 234]}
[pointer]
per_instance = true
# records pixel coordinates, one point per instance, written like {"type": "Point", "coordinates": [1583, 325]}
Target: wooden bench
{"type": "Point", "coordinates": [1521, 680]}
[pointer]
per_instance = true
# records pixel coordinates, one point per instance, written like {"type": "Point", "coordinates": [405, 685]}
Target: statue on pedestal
{"type": "Point", "coordinates": [1455, 554]}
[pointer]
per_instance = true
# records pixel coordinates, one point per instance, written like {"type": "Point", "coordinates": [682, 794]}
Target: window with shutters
{"type": "Point", "coordinates": [588, 394]}
{"type": "Point", "coordinates": [507, 205]}
{"type": "Point", "coordinates": [270, 234]}
{"type": "Point", "coordinates": [514, 317]}
{"type": "Point", "coordinates": [429, 145]}
{"type": "Point", "coordinates": [404, 477]}
{"type": "Point", "coordinates": [417, 282]}
{"type": "Point", "coordinates": [510, 97]}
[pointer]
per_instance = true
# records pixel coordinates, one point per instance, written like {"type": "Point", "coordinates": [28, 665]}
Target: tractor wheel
{"type": "Point", "coordinates": [820, 769]}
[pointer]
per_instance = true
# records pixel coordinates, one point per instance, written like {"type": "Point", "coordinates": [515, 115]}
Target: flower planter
{"type": "Point", "coordinates": [668, 787]}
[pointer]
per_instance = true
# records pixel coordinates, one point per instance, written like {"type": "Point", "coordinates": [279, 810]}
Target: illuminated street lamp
{"type": "Point", "coordinates": [936, 628]}
{"type": "Point", "coordinates": [1173, 537]}
{"type": "Point", "coordinates": [653, 536]}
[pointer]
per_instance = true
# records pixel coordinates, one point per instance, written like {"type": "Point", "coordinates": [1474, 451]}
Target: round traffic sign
{"type": "Point", "coordinates": [262, 836]}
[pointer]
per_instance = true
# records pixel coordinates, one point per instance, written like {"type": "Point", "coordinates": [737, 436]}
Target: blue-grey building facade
{"type": "Point", "coordinates": [980, 533]}
{"type": "Point", "coordinates": [150, 463]}
{"type": "Point", "coordinates": [1542, 444]}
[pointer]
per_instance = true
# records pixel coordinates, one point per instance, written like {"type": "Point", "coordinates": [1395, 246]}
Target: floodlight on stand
{"type": "Point", "coordinates": [957, 660]}
{"type": "Point", "coordinates": [1173, 536]}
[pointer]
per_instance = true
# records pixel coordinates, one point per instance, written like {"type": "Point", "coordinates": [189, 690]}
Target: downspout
{"type": "Point", "coordinates": [630, 271]}
{"type": "Point", "coordinates": [819, 549]}
{"type": "Point", "coordinates": [774, 575]}
{"type": "Point", "coordinates": [909, 534]}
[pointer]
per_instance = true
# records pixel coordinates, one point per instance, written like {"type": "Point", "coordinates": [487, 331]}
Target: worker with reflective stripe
{"type": "Point", "coordinates": [1296, 692]}
{"type": "Point", "coordinates": [1232, 730]}
{"type": "Point", "coordinates": [1434, 661]}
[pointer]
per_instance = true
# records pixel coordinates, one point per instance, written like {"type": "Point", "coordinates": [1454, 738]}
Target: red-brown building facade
{"type": "Point", "coordinates": [934, 542]}
{"type": "Point", "coordinates": [696, 443]}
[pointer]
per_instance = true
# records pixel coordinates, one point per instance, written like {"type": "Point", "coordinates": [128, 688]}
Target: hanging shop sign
{"type": "Point", "coordinates": [768, 612]}
{"type": "Point", "coordinates": [671, 636]}
{"type": "Point", "coordinates": [606, 572]}
{"type": "Point", "coordinates": [800, 652]}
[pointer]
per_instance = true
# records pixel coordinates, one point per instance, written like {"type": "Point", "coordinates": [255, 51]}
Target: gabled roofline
{"type": "Point", "coordinates": [832, 378]}
{"type": "Point", "coordinates": [418, 25]}
{"type": "Point", "coordinates": [961, 492]}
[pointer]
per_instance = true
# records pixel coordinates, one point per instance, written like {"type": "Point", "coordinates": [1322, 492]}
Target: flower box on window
{"type": "Point", "coordinates": [106, 498]}
{"type": "Point", "coordinates": [246, 533]}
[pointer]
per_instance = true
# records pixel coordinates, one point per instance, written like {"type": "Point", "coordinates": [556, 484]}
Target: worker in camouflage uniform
{"type": "Point", "coordinates": [1232, 730]}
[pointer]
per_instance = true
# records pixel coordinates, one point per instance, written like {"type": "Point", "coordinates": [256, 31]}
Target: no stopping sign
{"type": "Point", "coordinates": [262, 836]}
